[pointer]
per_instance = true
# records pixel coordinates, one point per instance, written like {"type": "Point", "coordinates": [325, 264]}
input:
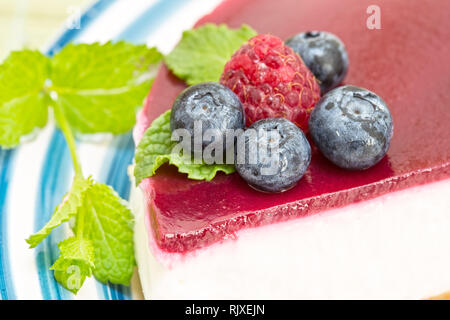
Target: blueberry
{"type": "Point", "coordinates": [352, 127]}
{"type": "Point", "coordinates": [324, 54]}
{"type": "Point", "coordinates": [212, 105]}
{"type": "Point", "coordinates": [272, 155]}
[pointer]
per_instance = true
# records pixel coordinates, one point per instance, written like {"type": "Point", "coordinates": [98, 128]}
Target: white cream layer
{"type": "Point", "coordinates": [396, 246]}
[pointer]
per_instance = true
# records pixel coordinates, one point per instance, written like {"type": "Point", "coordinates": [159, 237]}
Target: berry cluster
{"type": "Point", "coordinates": [270, 86]}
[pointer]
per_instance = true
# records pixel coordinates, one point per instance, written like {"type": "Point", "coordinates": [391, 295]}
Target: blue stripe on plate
{"type": "Point", "coordinates": [121, 154]}
{"type": "Point", "coordinates": [54, 175]}
{"type": "Point", "coordinates": [147, 23]}
{"type": "Point", "coordinates": [6, 284]}
{"type": "Point", "coordinates": [53, 186]}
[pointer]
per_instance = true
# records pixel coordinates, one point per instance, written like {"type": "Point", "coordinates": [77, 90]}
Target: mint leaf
{"type": "Point", "coordinates": [108, 224]}
{"type": "Point", "coordinates": [67, 209]}
{"type": "Point", "coordinates": [75, 263]}
{"type": "Point", "coordinates": [91, 88]}
{"type": "Point", "coordinates": [23, 105]}
{"type": "Point", "coordinates": [99, 87]}
{"type": "Point", "coordinates": [103, 242]}
{"type": "Point", "coordinates": [203, 52]}
{"type": "Point", "coordinates": [155, 148]}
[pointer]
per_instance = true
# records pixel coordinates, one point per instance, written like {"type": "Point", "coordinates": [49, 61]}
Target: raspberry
{"type": "Point", "coordinates": [271, 81]}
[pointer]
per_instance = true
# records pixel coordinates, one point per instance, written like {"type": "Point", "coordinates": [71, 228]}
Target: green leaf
{"type": "Point", "coordinates": [92, 88]}
{"type": "Point", "coordinates": [108, 223]}
{"type": "Point", "coordinates": [103, 242]}
{"type": "Point", "coordinates": [155, 148]}
{"type": "Point", "coordinates": [99, 87]}
{"type": "Point", "coordinates": [23, 104]}
{"type": "Point", "coordinates": [203, 52]}
{"type": "Point", "coordinates": [75, 263]}
{"type": "Point", "coordinates": [67, 209]}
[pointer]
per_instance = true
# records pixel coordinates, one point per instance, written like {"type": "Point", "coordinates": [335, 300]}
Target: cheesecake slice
{"type": "Point", "coordinates": [377, 233]}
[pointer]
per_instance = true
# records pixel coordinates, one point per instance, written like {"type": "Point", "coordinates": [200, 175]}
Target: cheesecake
{"type": "Point", "coordinates": [380, 233]}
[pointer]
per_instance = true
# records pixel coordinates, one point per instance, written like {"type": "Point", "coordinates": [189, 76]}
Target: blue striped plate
{"type": "Point", "coordinates": [34, 176]}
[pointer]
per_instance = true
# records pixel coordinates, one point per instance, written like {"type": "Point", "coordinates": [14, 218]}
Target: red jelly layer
{"type": "Point", "coordinates": [406, 62]}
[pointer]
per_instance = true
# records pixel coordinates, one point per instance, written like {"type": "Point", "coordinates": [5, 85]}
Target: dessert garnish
{"type": "Point", "coordinates": [281, 155]}
{"type": "Point", "coordinates": [202, 52]}
{"type": "Point", "coordinates": [208, 111]}
{"type": "Point", "coordinates": [324, 54]}
{"type": "Point", "coordinates": [271, 81]}
{"type": "Point", "coordinates": [352, 127]}
{"type": "Point", "coordinates": [274, 85]}
{"type": "Point", "coordinates": [156, 148]}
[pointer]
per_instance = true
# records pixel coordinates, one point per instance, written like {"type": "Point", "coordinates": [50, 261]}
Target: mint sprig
{"type": "Point", "coordinates": [156, 148]}
{"type": "Point", "coordinates": [90, 88]}
{"type": "Point", "coordinates": [202, 53]}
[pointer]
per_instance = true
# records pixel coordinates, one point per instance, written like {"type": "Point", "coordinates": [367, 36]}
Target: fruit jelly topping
{"type": "Point", "coordinates": [411, 78]}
